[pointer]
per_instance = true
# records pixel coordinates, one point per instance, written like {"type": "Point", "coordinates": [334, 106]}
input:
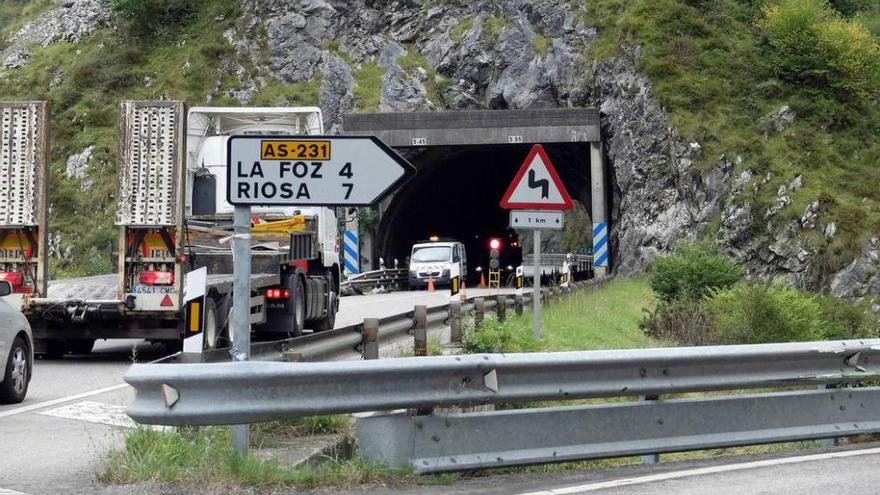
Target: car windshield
{"type": "Point", "coordinates": [436, 253]}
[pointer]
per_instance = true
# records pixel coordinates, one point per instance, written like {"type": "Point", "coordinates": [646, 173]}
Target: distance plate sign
{"type": "Point", "coordinates": [312, 170]}
{"type": "Point", "coordinates": [523, 219]}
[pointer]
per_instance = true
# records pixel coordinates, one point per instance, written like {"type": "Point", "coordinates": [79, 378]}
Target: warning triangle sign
{"type": "Point", "coordinates": [536, 185]}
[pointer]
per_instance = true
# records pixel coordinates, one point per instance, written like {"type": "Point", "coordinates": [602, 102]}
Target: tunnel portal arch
{"type": "Point", "coordinates": [465, 160]}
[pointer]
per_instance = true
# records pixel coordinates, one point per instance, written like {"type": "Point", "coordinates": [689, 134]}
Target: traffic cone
{"type": "Point", "coordinates": [482, 281]}
{"type": "Point", "coordinates": [462, 294]}
{"type": "Point", "coordinates": [431, 284]}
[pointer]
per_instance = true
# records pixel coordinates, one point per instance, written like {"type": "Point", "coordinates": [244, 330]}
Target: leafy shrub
{"type": "Point", "coordinates": [494, 336]}
{"type": "Point", "coordinates": [852, 7]}
{"type": "Point", "coordinates": [811, 44]}
{"type": "Point", "coordinates": [758, 313]}
{"type": "Point", "coordinates": [691, 271]}
{"type": "Point", "coordinates": [844, 320]}
{"type": "Point", "coordinates": [681, 322]}
{"type": "Point", "coordinates": [148, 18]}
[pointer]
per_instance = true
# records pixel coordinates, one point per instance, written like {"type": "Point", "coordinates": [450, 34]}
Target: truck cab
{"type": "Point", "coordinates": [433, 261]}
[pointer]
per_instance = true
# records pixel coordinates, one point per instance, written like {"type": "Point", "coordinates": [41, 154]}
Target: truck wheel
{"type": "Point", "coordinates": [297, 306]}
{"type": "Point", "coordinates": [212, 325]}
{"type": "Point", "coordinates": [329, 322]}
{"type": "Point", "coordinates": [83, 346]}
{"type": "Point", "coordinates": [17, 373]}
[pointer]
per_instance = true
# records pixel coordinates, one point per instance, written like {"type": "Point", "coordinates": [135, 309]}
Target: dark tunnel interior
{"type": "Point", "coordinates": [456, 195]}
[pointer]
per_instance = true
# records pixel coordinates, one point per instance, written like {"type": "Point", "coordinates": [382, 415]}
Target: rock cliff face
{"type": "Point", "coordinates": [410, 55]}
{"type": "Point", "coordinates": [67, 21]}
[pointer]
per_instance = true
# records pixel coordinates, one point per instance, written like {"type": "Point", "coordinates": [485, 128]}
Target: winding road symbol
{"type": "Point", "coordinates": [544, 184]}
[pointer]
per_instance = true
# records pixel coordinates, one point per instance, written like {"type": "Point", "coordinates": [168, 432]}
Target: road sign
{"type": "Point", "coordinates": [312, 170]}
{"type": "Point", "coordinates": [523, 219]}
{"type": "Point", "coordinates": [536, 185]}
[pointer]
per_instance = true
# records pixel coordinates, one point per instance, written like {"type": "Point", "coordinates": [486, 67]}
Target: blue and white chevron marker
{"type": "Point", "coordinates": [351, 256]}
{"type": "Point", "coordinates": [600, 244]}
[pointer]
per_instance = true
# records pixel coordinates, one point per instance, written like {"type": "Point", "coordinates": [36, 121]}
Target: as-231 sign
{"type": "Point", "coordinates": [312, 170]}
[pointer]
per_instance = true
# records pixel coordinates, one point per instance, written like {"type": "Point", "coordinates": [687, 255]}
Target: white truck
{"type": "Point", "coordinates": [173, 220]}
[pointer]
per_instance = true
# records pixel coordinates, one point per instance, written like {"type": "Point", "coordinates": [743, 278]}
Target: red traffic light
{"type": "Point", "coordinates": [495, 243]}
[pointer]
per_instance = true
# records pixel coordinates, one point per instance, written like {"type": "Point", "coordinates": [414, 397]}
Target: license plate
{"type": "Point", "coordinates": [152, 289]}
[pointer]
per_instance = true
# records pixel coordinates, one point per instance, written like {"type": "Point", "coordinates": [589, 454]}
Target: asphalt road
{"type": "Point", "coordinates": [848, 471]}
{"type": "Point", "coordinates": [56, 441]}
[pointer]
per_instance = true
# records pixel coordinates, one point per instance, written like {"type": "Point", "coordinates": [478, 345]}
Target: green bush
{"type": "Point", "coordinates": [691, 271]}
{"type": "Point", "coordinates": [686, 322]}
{"type": "Point", "coordinates": [809, 43]}
{"type": "Point", "coordinates": [843, 320]}
{"type": "Point", "coordinates": [758, 313]}
{"type": "Point", "coordinates": [494, 337]}
{"type": "Point", "coordinates": [147, 18]}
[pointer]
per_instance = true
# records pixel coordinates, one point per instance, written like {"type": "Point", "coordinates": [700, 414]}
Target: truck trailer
{"type": "Point", "coordinates": [174, 224]}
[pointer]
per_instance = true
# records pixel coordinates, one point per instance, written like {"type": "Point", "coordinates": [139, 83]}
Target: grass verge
{"type": "Point", "coordinates": [605, 317]}
{"type": "Point", "coordinates": [204, 456]}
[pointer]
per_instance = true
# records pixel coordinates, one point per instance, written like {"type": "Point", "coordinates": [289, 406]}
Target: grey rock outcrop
{"type": "Point", "coordinates": [861, 278]}
{"type": "Point", "coordinates": [77, 163]}
{"type": "Point", "coordinates": [71, 21]}
{"type": "Point", "coordinates": [659, 196]}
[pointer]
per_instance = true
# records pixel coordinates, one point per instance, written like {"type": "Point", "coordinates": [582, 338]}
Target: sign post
{"type": "Point", "coordinates": [296, 171]}
{"type": "Point", "coordinates": [241, 305]}
{"type": "Point", "coordinates": [536, 198]}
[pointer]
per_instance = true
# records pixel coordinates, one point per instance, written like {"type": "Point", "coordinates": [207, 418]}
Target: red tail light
{"type": "Point", "coordinates": [277, 293]}
{"type": "Point", "coordinates": [150, 277]}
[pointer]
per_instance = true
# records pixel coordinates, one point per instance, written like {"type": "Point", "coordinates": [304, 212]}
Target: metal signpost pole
{"type": "Point", "coordinates": [241, 294]}
{"type": "Point", "coordinates": [267, 171]}
{"type": "Point", "coordinates": [536, 286]}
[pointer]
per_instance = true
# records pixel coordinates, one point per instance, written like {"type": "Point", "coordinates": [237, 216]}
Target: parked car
{"type": "Point", "coordinates": [16, 350]}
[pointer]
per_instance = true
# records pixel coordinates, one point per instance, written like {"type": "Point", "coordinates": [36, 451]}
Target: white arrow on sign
{"type": "Point", "coordinates": [312, 170]}
{"type": "Point", "coordinates": [523, 219]}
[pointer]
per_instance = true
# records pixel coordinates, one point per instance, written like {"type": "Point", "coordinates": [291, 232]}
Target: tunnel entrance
{"type": "Point", "coordinates": [465, 161]}
{"type": "Point", "coordinates": [455, 195]}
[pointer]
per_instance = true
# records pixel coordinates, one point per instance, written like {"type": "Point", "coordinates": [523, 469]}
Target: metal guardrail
{"type": "Point", "coordinates": [334, 343]}
{"type": "Point", "coordinates": [262, 391]}
{"type": "Point", "coordinates": [390, 278]}
{"type": "Point", "coordinates": [326, 345]}
{"type": "Point", "coordinates": [234, 393]}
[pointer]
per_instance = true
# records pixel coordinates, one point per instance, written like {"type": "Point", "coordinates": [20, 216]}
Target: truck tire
{"type": "Point", "coordinates": [297, 306]}
{"type": "Point", "coordinates": [212, 328]}
{"type": "Point", "coordinates": [328, 322]}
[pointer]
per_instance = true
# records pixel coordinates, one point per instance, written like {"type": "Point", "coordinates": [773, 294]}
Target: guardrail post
{"type": "Point", "coordinates": [370, 339]}
{"type": "Point", "coordinates": [829, 443]}
{"type": "Point", "coordinates": [455, 322]}
{"type": "Point", "coordinates": [479, 312]}
{"type": "Point", "coordinates": [649, 458]}
{"type": "Point", "coordinates": [518, 305]}
{"type": "Point", "coordinates": [420, 331]}
{"type": "Point", "coordinates": [501, 307]}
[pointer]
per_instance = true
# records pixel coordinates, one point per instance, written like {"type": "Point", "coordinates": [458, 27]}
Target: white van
{"type": "Point", "coordinates": [434, 260]}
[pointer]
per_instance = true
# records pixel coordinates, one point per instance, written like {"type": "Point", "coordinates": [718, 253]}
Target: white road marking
{"type": "Point", "coordinates": [651, 478]}
{"type": "Point", "coordinates": [60, 400]}
{"type": "Point", "coordinates": [4, 491]}
{"type": "Point", "coordinates": [93, 412]}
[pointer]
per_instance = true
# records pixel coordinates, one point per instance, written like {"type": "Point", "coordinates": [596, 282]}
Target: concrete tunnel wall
{"type": "Point", "coordinates": [465, 161]}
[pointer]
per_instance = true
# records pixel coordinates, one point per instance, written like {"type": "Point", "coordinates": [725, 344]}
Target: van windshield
{"type": "Point", "coordinates": [435, 253]}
